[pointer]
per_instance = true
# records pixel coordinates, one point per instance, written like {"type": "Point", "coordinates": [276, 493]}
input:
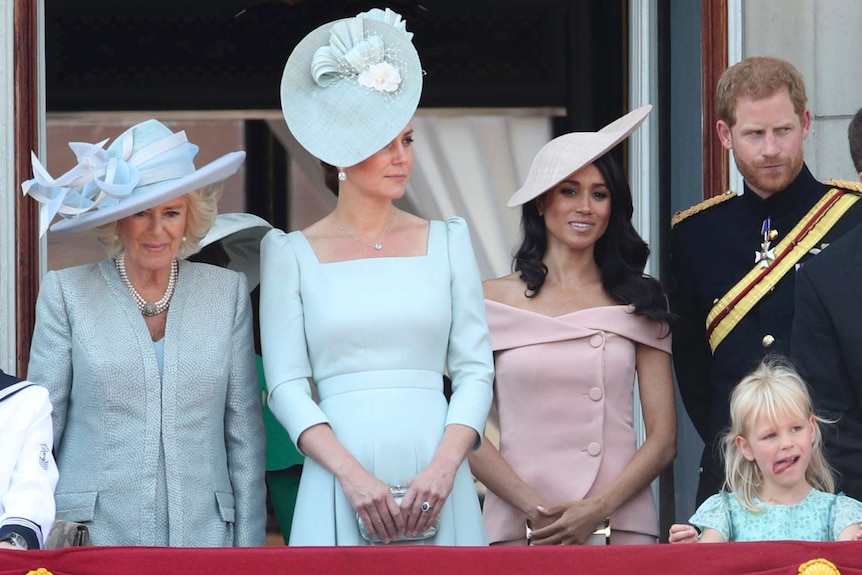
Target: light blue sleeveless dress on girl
{"type": "Point", "coordinates": [376, 336]}
{"type": "Point", "coordinates": [819, 517]}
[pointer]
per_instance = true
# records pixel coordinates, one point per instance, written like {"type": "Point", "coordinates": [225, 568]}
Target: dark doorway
{"type": "Point", "coordinates": [229, 54]}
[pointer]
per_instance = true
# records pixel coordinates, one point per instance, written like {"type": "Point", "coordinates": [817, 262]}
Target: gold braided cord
{"type": "Point", "coordinates": [705, 204]}
{"type": "Point", "coordinates": [845, 184]}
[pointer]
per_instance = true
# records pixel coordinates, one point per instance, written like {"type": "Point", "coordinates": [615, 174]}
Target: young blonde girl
{"type": "Point", "coordinates": [778, 485]}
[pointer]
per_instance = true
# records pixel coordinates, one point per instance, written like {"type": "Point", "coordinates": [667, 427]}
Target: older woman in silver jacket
{"type": "Point", "coordinates": [148, 358]}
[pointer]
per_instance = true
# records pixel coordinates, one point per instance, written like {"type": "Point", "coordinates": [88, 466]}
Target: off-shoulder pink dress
{"type": "Point", "coordinates": [564, 392]}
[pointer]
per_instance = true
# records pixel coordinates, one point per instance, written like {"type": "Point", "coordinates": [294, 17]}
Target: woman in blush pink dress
{"type": "Point", "coordinates": [571, 328]}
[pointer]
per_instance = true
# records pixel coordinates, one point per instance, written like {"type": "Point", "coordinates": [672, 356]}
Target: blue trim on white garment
{"type": "Point", "coordinates": [31, 532]}
{"type": "Point", "coordinates": [14, 388]}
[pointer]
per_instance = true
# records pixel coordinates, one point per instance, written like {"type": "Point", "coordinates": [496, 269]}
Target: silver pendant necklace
{"type": "Point", "coordinates": [377, 245]}
{"type": "Point", "coordinates": [148, 308]}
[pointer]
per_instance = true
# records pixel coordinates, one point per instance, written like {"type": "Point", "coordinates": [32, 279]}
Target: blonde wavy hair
{"type": "Point", "coordinates": [771, 390]}
{"type": "Point", "coordinates": [203, 209]}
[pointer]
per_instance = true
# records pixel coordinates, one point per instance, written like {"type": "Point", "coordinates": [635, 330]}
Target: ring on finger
{"type": "Point", "coordinates": [426, 507]}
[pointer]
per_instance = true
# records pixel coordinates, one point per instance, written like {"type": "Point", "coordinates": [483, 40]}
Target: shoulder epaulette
{"type": "Point", "coordinates": [846, 185]}
{"type": "Point", "coordinates": [705, 204]}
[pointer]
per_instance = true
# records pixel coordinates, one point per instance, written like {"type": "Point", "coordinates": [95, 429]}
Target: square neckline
{"type": "Point", "coordinates": [310, 248]}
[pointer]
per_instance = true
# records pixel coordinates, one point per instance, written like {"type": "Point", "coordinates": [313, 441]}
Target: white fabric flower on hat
{"type": "Point", "coordinates": [353, 53]}
{"type": "Point", "coordinates": [383, 77]}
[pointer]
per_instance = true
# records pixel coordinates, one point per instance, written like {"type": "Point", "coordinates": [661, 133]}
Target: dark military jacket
{"type": "Point", "coordinates": [827, 350]}
{"type": "Point", "coordinates": [711, 250]}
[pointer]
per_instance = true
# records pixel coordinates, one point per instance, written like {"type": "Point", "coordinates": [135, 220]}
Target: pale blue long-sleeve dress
{"type": "Point", "coordinates": [376, 335]}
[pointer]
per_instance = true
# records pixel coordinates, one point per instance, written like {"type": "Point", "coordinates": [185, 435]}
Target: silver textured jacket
{"type": "Point", "coordinates": [176, 462]}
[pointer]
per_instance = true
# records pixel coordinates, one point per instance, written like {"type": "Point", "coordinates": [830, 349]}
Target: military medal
{"type": "Point", "coordinates": [766, 254]}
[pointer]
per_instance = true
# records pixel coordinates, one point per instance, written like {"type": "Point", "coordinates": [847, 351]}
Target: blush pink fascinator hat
{"type": "Point", "coordinates": [566, 154]}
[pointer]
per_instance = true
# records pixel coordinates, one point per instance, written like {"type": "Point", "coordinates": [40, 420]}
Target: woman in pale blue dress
{"type": "Point", "coordinates": [778, 483]}
{"type": "Point", "coordinates": [373, 305]}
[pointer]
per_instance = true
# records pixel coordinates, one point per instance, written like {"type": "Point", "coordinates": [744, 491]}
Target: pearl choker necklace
{"type": "Point", "coordinates": [147, 308]}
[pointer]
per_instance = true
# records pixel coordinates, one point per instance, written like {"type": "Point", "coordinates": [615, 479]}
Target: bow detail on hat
{"type": "Point", "coordinates": [351, 54]}
{"type": "Point", "coordinates": [388, 16]}
{"type": "Point", "coordinates": [105, 177]}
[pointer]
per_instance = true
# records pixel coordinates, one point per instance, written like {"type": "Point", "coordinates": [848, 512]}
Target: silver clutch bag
{"type": "Point", "coordinates": [398, 492]}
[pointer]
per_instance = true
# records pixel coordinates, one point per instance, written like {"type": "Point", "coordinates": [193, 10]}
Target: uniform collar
{"type": "Point", "coordinates": [7, 380]}
{"type": "Point", "coordinates": [799, 193]}
{"type": "Point", "coordinates": [10, 385]}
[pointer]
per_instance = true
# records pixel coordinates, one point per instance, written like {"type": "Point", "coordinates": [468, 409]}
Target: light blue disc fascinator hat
{"type": "Point", "coordinates": [145, 166]}
{"type": "Point", "coordinates": [566, 154]}
{"type": "Point", "coordinates": [351, 86]}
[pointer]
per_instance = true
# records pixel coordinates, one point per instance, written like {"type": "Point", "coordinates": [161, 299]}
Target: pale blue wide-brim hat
{"type": "Point", "coordinates": [240, 235]}
{"type": "Point", "coordinates": [566, 154]}
{"type": "Point", "coordinates": [351, 86]}
{"type": "Point", "coordinates": [145, 166]}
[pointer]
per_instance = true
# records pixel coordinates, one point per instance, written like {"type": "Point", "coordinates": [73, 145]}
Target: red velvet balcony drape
{"type": "Point", "coordinates": [776, 558]}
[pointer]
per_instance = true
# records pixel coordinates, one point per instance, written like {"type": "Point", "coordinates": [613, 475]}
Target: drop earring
{"type": "Point", "coordinates": [342, 175]}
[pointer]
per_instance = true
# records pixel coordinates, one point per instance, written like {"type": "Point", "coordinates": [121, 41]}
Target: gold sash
{"type": "Point", "coordinates": [729, 310]}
